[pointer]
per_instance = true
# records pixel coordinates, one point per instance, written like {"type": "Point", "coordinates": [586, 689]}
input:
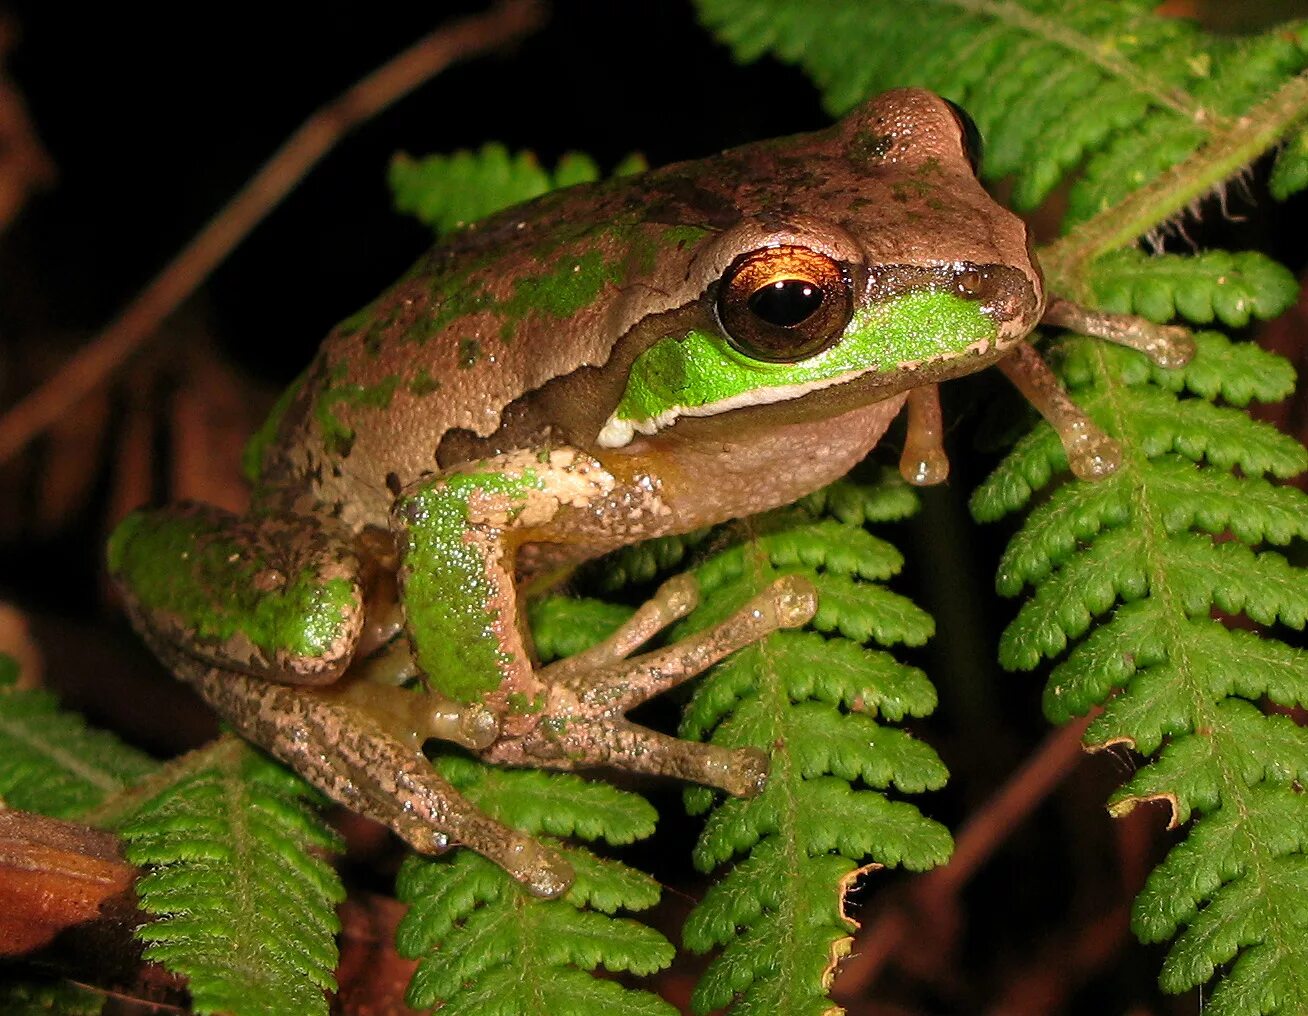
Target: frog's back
{"type": "Point", "coordinates": [495, 312]}
{"type": "Point", "coordinates": [545, 289]}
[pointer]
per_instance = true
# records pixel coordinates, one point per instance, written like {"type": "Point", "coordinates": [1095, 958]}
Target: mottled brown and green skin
{"type": "Point", "coordinates": [454, 424]}
{"type": "Point", "coordinates": [517, 331]}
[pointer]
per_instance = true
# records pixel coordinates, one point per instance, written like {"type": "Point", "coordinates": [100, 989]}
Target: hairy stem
{"type": "Point", "coordinates": [1223, 156]}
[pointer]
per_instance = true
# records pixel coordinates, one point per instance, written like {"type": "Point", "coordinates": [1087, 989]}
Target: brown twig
{"type": "Point", "coordinates": [506, 22]}
{"type": "Point", "coordinates": [978, 839]}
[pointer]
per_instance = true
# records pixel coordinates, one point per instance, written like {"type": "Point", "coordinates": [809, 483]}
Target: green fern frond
{"type": "Point", "coordinates": [1148, 417]}
{"type": "Point", "coordinates": [885, 497]}
{"type": "Point", "coordinates": [50, 761]}
{"type": "Point", "coordinates": [642, 562]}
{"type": "Point", "coordinates": [1213, 285]}
{"type": "Point", "coordinates": [814, 703]}
{"type": "Point", "coordinates": [1128, 571]}
{"type": "Point", "coordinates": [1290, 171]}
{"type": "Point", "coordinates": [565, 625]}
{"type": "Point", "coordinates": [245, 904]}
{"type": "Point", "coordinates": [486, 946]}
{"type": "Point", "coordinates": [851, 502]}
{"type": "Point", "coordinates": [1113, 88]}
{"type": "Point", "coordinates": [448, 191]}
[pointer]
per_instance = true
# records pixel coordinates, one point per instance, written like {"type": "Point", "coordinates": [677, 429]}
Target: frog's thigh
{"type": "Point", "coordinates": [458, 534]}
{"type": "Point", "coordinates": [274, 596]}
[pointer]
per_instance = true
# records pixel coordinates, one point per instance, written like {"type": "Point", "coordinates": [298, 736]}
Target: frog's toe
{"type": "Point", "coordinates": [478, 727]}
{"type": "Point", "coordinates": [541, 871]}
{"type": "Point", "coordinates": [749, 774]}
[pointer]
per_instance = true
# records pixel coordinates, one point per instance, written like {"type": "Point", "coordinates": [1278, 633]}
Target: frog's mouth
{"type": "Point", "coordinates": [927, 333]}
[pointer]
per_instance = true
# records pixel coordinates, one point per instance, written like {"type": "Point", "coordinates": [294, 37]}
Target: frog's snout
{"type": "Point", "coordinates": [1007, 295]}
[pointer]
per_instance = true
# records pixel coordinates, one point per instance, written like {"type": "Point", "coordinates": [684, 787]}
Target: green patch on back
{"type": "Point", "coordinates": [680, 376]}
{"type": "Point", "coordinates": [337, 434]}
{"type": "Point", "coordinates": [449, 595]}
{"type": "Point", "coordinates": [252, 458]}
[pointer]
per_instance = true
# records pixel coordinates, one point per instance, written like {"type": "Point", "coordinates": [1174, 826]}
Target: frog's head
{"type": "Point", "coordinates": [865, 258]}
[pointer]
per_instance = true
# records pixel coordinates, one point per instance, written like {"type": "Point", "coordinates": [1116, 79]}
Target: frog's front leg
{"type": "Point", "coordinates": [458, 536]}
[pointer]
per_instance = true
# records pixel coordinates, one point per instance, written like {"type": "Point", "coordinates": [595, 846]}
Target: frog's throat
{"type": "Point", "coordinates": [700, 374]}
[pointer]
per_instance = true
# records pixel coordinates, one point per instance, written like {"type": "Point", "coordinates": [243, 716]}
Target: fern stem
{"type": "Point", "coordinates": [1062, 34]}
{"type": "Point", "coordinates": [1218, 160]}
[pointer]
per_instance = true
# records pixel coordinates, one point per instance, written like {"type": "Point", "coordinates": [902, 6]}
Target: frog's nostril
{"type": "Point", "coordinates": [970, 284]}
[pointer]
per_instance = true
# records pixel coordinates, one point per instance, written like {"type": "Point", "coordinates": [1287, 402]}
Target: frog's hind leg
{"type": "Point", "coordinates": [345, 753]}
{"type": "Point", "coordinates": [277, 596]}
{"type": "Point", "coordinates": [583, 722]}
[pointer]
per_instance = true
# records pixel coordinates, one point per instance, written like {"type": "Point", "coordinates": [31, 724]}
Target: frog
{"type": "Point", "coordinates": [608, 363]}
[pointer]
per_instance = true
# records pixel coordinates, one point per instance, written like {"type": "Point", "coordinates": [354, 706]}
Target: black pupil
{"type": "Point", "coordinates": [786, 302]}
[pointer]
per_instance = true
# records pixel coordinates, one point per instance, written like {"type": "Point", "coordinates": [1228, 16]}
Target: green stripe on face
{"type": "Point", "coordinates": [701, 373]}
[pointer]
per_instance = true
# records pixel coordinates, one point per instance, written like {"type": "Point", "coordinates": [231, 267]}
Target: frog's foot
{"type": "Point", "coordinates": [1091, 453]}
{"type": "Point", "coordinates": [344, 751]}
{"type": "Point", "coordinates": [1167, 345]}
{"type": "Point", "coordinates": [582, 720]}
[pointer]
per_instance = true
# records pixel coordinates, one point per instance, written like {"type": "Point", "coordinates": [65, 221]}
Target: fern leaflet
{"type": "Point", "coordinates": [448, 191]}
{"type": "Point", "coordinates": [486, 946]}
{"type": "Point", "coordinates": [50, 762]}
{"type": "Point", "coordinates": [1213, 285]}
{"type": "Point", "coordinates": [1128, 571]}
{"type": "Point", "coordinates": [245, 904]}
{"type": "Point", "coordinates": [777, 915]}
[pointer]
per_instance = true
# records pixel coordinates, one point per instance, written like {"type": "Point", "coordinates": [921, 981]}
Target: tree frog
{"type": "Point", "coordinates": [607, 363]}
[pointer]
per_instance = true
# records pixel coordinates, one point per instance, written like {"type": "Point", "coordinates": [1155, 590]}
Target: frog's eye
{"type": "Point", "coordinates": [784, 304]}
{"type": "Point", "coordinates": [973, 145]}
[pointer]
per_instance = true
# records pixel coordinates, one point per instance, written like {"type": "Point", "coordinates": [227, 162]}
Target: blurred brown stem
{"type": "Point", "coordinates": [507, 21]}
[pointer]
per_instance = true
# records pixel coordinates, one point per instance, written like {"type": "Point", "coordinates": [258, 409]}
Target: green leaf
{"type": "Point", "coordinates": [487, 946]}
{"type": "Point", "coordinates": [1212, 285]}
{"type": "Point", "coordinates": [1290, 171]}
{"type": "Point", "coordinates": [559, 804]}
{"type": "Point", "coordinates": [448, 191]}
{"type": "Point", "coordinates": [777, 916]}
{"type": "Point", "coordinates": [1128, 571]}
{"type": "Point", "coordinates": [1116, 91]}
{"type": "Point", "coordinates": [50, 761]}
{"type": "Point", "coordinates": [245, 904]}
{"type": "Point", "coordinates": [565, 625]}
